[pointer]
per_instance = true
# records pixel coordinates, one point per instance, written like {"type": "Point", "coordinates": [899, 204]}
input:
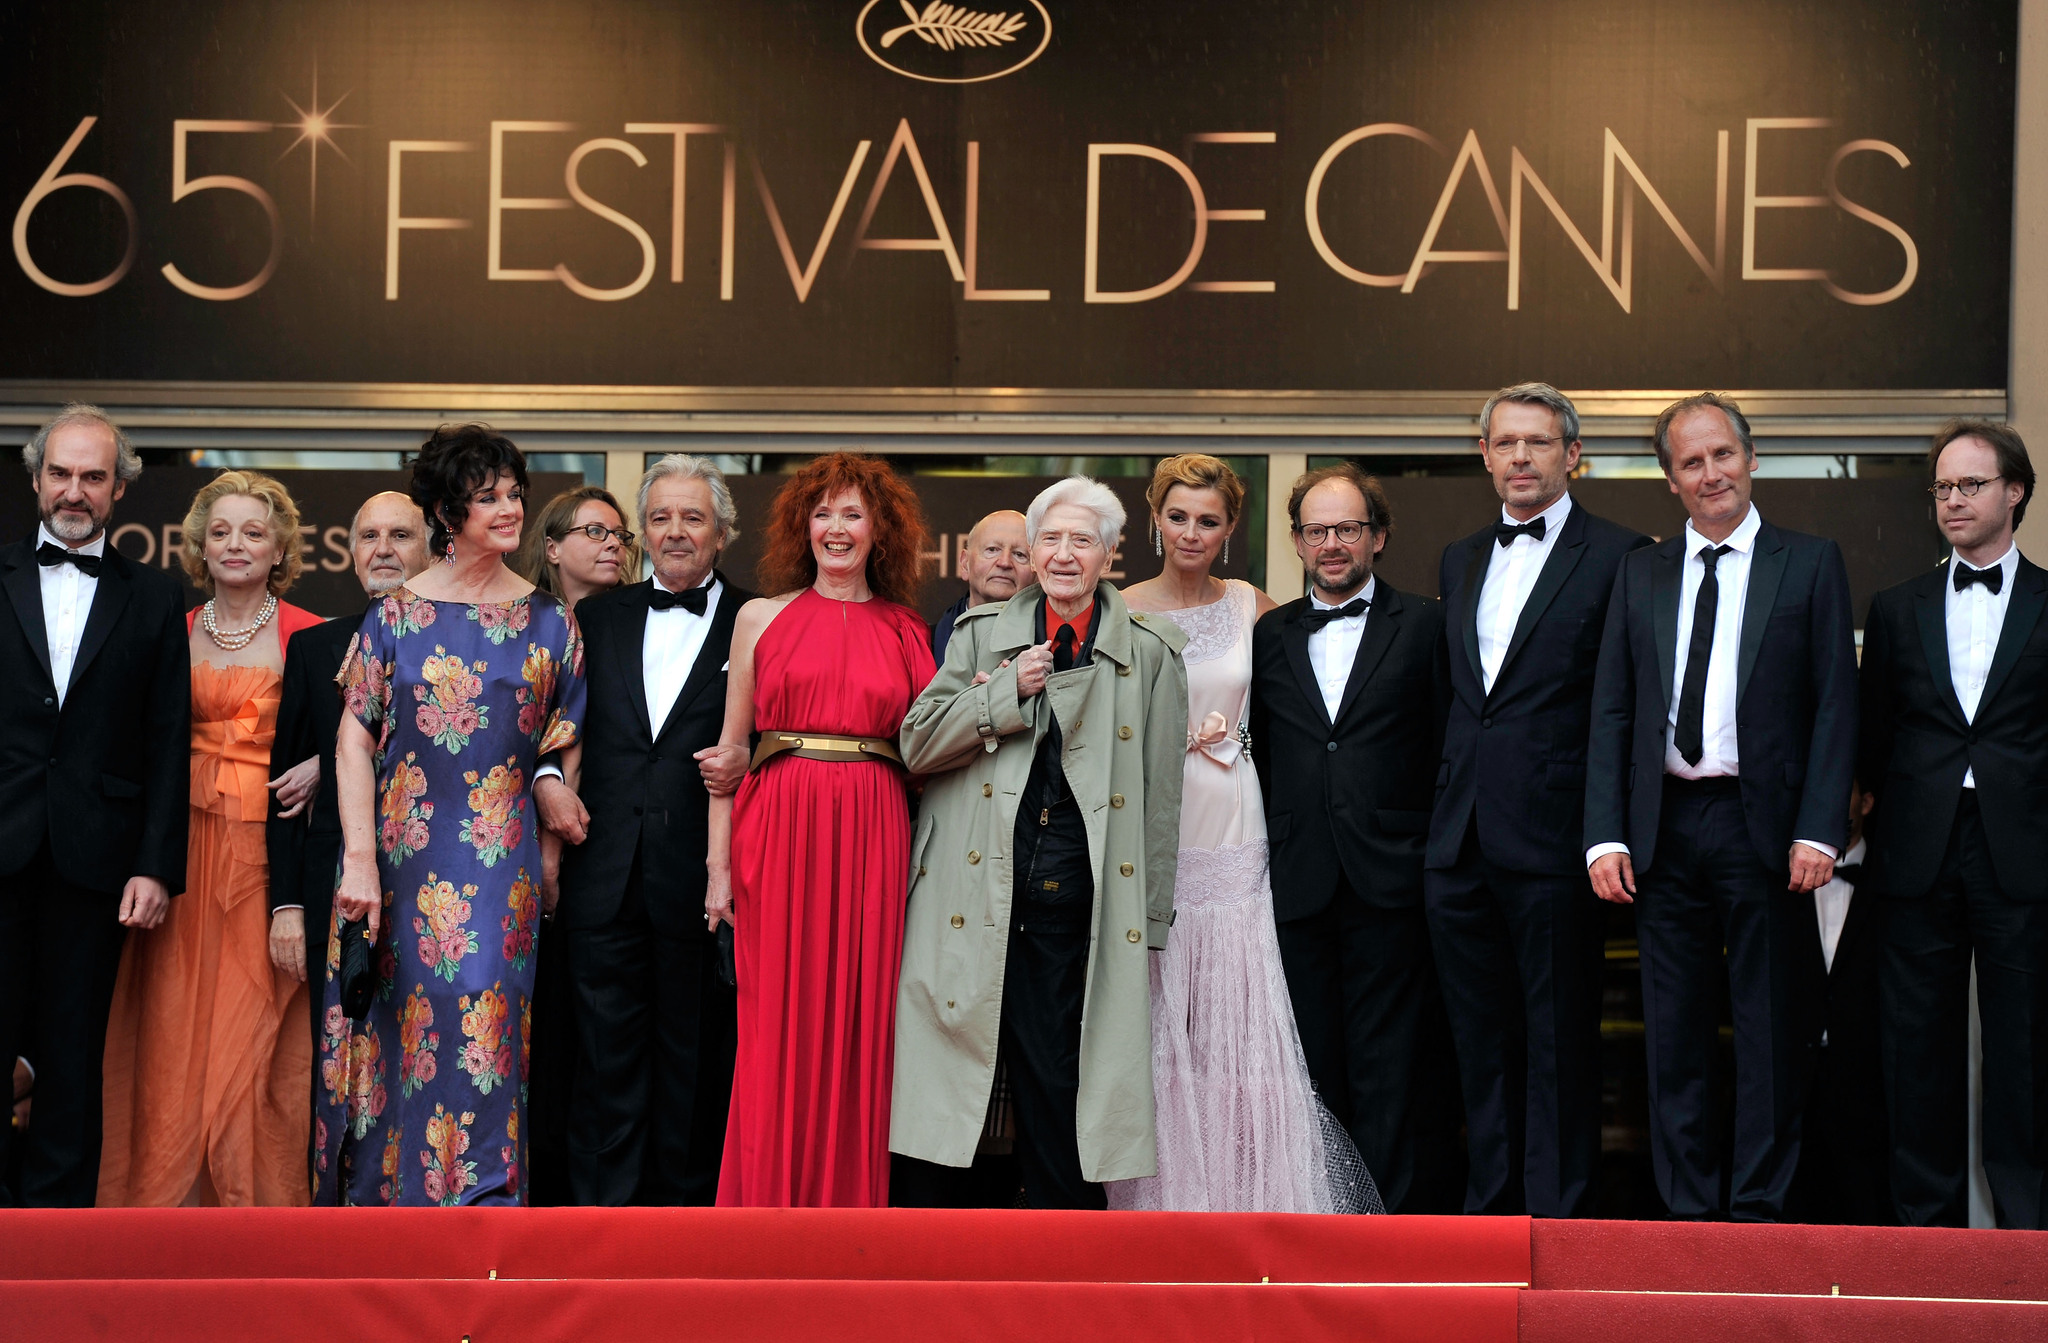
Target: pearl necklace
{"type": "Point", "coordinates": [234, 641]}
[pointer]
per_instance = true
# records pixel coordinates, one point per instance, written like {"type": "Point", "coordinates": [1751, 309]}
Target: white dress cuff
{"type": "Point", "coordinates": [1599, 851]}
{"type": "Point", "coordinates": [548, 772]}
{"type": "Point", "coordinates": [1834, 854]}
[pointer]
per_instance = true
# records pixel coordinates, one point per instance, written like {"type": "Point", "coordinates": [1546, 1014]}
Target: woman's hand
{"type": "Point", "coordinates": [718, 900]}
{"type": "Point", "coordinates": [358, 896]}
{"type": "Point", "coordinates": [288, 943]}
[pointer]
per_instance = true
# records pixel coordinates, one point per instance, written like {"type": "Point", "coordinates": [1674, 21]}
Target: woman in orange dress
{"type": "Point", "coordinates": [209, 1058]}
{"type": "Point", "coordinates": [810, 863]}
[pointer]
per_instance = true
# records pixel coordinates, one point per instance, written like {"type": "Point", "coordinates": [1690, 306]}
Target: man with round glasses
{"type": "Point", "coordinates": [1955, 751]}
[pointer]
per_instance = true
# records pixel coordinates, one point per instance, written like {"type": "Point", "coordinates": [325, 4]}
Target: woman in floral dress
{"type": "Point", "coordinates": [456, 685]}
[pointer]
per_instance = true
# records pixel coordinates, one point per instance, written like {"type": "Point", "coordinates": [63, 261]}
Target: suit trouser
{"type": "Point", "coordinates": [1360, 979]}
{"type": "Point", "coordinates": [1519, 957]}
{"type": "Point", "coordinates": [657, 1029]}
{"type": "Point", "coordinates": [1929, 943]}
{"type": "Point", "coordinates": [60, 949]}
{"type": "Point", "coordinates": [1844, 1147]}
{"type": "Point", "coordinates": [1706, 891]}
{"type": "Point", "coordinates": [316, 895]}
{"type": "Point", "coordinates": [1045, 982]}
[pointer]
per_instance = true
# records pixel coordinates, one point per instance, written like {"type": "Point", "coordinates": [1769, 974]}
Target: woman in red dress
{"type": "Point", "coordinates": [810, 862]}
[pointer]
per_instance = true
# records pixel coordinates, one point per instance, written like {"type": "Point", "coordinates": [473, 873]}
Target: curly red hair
{"type": "Point", "coordinates": [895, 564]}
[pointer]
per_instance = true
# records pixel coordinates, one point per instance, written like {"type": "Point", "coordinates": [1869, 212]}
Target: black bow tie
{"type": "Point", "coordinates": [48, 555]}
{"type": "Point", "coordinates": [692, 600]}
{"type": "Point", "coordinates": [1506, 532]}
{"type": "Point", "coordinates": [1317, 617]}
{"type": "Point", "coordinates": [1850, 873]}
{"type": "Point", "coordinates": [1992, 578]}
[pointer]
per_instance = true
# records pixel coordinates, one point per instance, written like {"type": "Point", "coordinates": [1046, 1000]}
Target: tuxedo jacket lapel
{"type": "Point", "coordinates": [24, 584]}
{"type": "Point", "coordinates": [2022, 613]}
{"type": "Point", "coordinates": [1929, 614]}
{"type": "Point", "coordinates": [630, 651]}
{"type": "Point", "coordinates": [1667, 572]}
{"type": "Point", "coordinates": [1557, 570]}
{"type": "Point", "coordinates": [1766, 573]}
{"type": "Point", "coordinates": [711, 655]}
{"type": "Point", "coordinates": [109, 599]}
{"type": "Point", "coordinates": [1380, 628]}
{"type": "Point", "coordinates": [1468, 616]}
{"type": "Point", "coordinates": [1294, 638]}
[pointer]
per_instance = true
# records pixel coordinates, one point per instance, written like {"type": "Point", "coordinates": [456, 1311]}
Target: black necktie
{"type": "Point", "coordinates": [48, 555]}
{"type": "Point", "coordinates": [1690, 736]}
{"type": "Point", "coordinates": [1063, 648]}
{"type": "Point", "coordinates": [692, 600]}
{"type": "Point", "coordinates": [1506, 532]}
{"type": "Point", "coordinates": [1318, 616]}
{"type": "Point", "coordinates": [1992, 578]}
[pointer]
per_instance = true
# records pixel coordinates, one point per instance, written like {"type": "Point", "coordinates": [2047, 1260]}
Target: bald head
{"type": "Point", "coordinates": [995, 558]}
{"type": "Point", "coordinates": [389, 540]}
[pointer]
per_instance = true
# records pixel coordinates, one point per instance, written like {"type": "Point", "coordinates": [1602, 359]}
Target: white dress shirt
{"type": "Point", "coordinates": [1975, 617]}
{"type": "Point", "coordinates": [1720, 758]}
{"type": "Point", "coordinates": [1831, 906]}
{"type": "Point", "coordinates": [1333, 649]}
{"type": "Point", "coordinates": [1510, 578]}
{"type": "Point", "coordinates": [67, 601]}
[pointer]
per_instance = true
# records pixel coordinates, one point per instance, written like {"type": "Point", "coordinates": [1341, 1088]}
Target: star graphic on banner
{"type": "Point", "coordinates": [316, 126]}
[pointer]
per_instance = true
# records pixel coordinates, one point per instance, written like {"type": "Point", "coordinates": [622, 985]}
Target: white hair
{"type": "Point", "coordinates": [1081, 492]}
{"type": "Point", "coordinates": [687, 467]}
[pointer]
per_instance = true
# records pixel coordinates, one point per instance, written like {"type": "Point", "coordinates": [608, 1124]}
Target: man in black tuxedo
{"type": "Point", "coordinates": [1517, 932]}
{"type": "Point", "coordinates": [1955, 748]}
{"type": "Point", "coordinates": [1348, 691]}
{"type": "Point", "coordinates": [388, 538]}
{"type": "Point", "coordinates": [655, 1015]}
{"type": "Point", "coordinates": [1718, 770]}
{"type": "Point", "coordinates": [93, 780]}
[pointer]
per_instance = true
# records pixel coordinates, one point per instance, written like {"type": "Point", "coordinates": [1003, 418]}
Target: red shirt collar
{"type": "Point", "coordinates": [1079, 622]}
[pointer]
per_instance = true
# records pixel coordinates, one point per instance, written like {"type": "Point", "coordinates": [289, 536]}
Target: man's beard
{"type": "Point", "coordinates": [377, 584]}
{"type": "Point", "coordinates": [1355, 574]}
{"type": "Point", "coordinates": [69, 528]}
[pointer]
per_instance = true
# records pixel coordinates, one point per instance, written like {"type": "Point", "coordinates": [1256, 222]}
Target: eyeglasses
{"type": "Point", "coordinates": [1968, 485]}
{"type": "Point", "coordinates": [597, 532]}
{"type": "Point", "coordinates": [1349, 532]}
{"type": "Point", "coordinates": [1536, 442]}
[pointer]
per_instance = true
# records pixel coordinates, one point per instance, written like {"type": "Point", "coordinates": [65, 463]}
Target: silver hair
{"type": "Point", "coordinates": [1081, 492]}
{"type": "Point", "coordinates": [1533, 394]}
{"type": "Point", "coordinates": [127, 466]}
{"type": "Point", "coordinates": [688, 467]}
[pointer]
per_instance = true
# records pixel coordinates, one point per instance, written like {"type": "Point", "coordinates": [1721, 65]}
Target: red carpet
{"type": "Point", "coordinates": [364, 1276]}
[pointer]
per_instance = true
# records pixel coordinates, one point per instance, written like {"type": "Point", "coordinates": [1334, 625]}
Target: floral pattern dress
{"type": "Point", "coordinates": [420, 1102]}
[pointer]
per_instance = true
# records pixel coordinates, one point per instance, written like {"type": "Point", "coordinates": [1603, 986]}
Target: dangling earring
{"type": "Point", "coordinates": [1158, 546]}
{"type": "Point", "coordinates": [449, 557]}
{"type": "Point", "coordinates": [1226, 550]}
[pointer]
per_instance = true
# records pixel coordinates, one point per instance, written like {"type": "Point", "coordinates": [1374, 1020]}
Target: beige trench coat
{"type": "Point", "coordinates": [1124, 719]}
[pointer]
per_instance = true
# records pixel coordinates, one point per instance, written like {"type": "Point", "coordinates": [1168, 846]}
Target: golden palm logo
{"type": "Point", "coordinates": [955, 44]}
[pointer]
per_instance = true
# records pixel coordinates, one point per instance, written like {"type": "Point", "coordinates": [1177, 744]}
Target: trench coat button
{"type": "Point", "coordinates": [974, 855]}
{"type": "Point", "coordinates": [1127, 869]}
{"type": "Point", "coordinates": [1138, 615]}
{"type": "Point", "coordinates": [988, 790]}
{"type": "Point", "coordinates": [920, 869]}
{"type": "Point", "coordinates": [1123, 671]}
{"type": "Point", "coordinates": [1123, 734]}
{"type": "Point", "coordinates": [958, 922]}
{"type": "Point", "coordinates": [1077, 725]}
{"type": "Point", "coordinates": [949, 1002]}
{"type": "Point", "coordinates": [1134, 936]}
{"type": "Point", "coordinates": [1116, 799]}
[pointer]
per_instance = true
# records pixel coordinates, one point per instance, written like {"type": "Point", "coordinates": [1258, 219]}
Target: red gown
{"type": "Point", "coordinates": [821, 865]}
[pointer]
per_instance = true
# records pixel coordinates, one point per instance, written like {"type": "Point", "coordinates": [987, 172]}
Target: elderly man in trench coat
{"type": "Point", "coordinates": [1043, 867]}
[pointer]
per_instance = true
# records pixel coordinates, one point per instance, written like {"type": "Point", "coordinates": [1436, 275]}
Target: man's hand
{"type": "Point", "coordinates": [722, 768]}
{"type": "Point", "coordinates": [144, 902]}
{"type": "Point", "coordinates": [1034, 664]}
{"type": "Point", "coordinates": [288, 943]}
{"type": "Point", "coordinates": [1614, 878]}
{"type": "Point", "coordinates": [1811, 869]}
{"type": "Point", "coordinates": [297, 787]}
{"type": "Point", "coordinates": [561, 811]}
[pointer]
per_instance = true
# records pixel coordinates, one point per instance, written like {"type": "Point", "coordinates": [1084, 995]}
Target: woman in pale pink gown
{"type": "Point", "coordinates": [1239, 1126]}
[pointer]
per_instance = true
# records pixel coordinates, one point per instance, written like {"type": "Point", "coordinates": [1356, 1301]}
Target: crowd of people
{"type": "Point", "coordinates": [540, 880]}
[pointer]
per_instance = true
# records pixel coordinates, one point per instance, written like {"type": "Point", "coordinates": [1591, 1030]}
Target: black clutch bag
{"type": "Point", "coordinates": [358, 983]}
{"type": "Point", "coordinates": [727, 971]}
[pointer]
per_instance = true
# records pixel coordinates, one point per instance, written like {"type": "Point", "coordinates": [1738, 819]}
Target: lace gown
{"type": "Point", "coordinates": [1239, 1126]}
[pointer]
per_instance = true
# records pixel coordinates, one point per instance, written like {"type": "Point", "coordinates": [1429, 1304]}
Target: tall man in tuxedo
{"type": "Point", "coordinates": [1517, 934]}
{"type": "Point", "coordinates": [1717, 773]}
{"type": "Point", "coordinates": [1348, 691]}
{"type": "Point", "coordinates": [93, 759]}
{"type": "Point", "coordinates": [655, 1015]}
{"type": "Point", "coordinates": [388, 540]}
{"type": "Point", "coordinates": [1955, 749]}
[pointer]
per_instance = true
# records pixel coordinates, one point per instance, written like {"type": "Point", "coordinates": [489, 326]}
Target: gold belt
{"type": "Point", "coordinates": [817, 746]}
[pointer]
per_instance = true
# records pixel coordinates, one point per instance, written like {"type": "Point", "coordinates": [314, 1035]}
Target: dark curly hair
{"type": "Point", "coordinates": [900, 536]}
{"type": "Point", "coordinates": [454, 462]}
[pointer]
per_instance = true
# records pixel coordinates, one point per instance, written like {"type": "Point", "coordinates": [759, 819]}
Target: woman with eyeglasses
{"type": "Point", "coordinates": [578, 547]}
